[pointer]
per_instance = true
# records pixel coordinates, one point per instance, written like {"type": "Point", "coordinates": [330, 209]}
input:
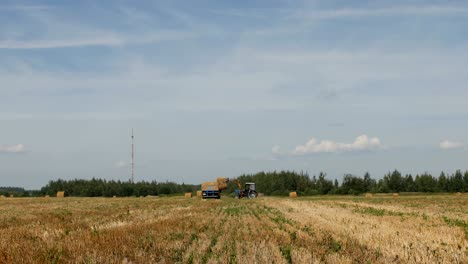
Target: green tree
{"type": "Point", "coordinates": [394, 181]}
{"type": "Point", "coordinates": [442, 182]}
{"type": "Point", "coordinates": [465, 181]}
{"type": "Point", "coordinates": [409, 183]}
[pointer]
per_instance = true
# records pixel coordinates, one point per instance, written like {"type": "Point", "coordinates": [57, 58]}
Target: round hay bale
{"type": "Point", "coordinates": [188, 195]}
{"type": "Point", "coordinates": [293, 194]}
{"type": "Point", "coordinates": [199, 193]}
{"type": "Point", "coordinates": [368, 195]}
{"type": "Point", "coordinates": [458, 194]}
{"type": "Point", "coordinates": [396, 194]}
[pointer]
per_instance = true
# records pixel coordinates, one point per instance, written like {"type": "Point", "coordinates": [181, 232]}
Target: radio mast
{"type": "Point", "coordinates": [133, 158]}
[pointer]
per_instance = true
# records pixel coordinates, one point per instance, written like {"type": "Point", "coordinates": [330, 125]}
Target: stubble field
{"type": "Point", "coordinates": [381, 229]}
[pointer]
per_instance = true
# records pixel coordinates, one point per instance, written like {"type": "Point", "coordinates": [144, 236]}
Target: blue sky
{"type": "Point", "coordinates": [228, 87]}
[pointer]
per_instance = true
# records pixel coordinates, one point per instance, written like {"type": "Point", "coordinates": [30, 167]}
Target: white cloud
{"type": "Point", "coordinates": [276, 150]}
{"type": "Point", "coordinates": [362, 143]}
{"type": "Point", "coordinates": [120, 164]}
{"type": "Point", "coordinates": [18, 148]}
{"type": "Point", "coordinates": [447, 144]}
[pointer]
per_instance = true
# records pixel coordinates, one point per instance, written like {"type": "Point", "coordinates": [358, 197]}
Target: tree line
{"type": "Point", "coordinates": [103, 188]}
{"type": "Point", "coordinates": [283, 182]}
{"type": "Point", "coordinates": [276, 183]}
{"type": "Point", "coordinates": [16, 191]}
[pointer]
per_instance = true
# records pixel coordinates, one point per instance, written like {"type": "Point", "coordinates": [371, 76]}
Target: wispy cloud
{"type": "Point", "coordinates": [447, 144]}
{"type": "Point", "coordinates": [362, 143]}
{"type": "Point", "coordinates": [309, 14]}
{"type": "Point", "coordinates": [57, 30]}
{"type": "Point", "coordinates": [120, 164]}
{"type": "Point", "coordinates": [435, 10]}
{"type": "Point", "coordinates": [64, 43]}
{"type": "Point", "coordinates": [111, 40]}
{"type": "Point", "coordinates": [25, 7]}
{"type": "Point", "coordinates": [276, 150]}
{"type": "Point", "coordinates": [18, 148]}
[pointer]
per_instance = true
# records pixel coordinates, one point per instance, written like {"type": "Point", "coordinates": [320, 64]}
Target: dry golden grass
{"type": "Point", "coordinates": [417, 229]}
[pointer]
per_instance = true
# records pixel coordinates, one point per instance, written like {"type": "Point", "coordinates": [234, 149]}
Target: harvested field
{"type": "Point", "coordinates": [327, 229]}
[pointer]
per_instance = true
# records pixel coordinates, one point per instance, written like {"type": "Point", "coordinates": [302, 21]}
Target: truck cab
{"type": "Point", "coordinates": [210, 190]}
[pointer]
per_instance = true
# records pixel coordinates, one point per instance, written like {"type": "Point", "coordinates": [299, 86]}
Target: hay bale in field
{"type": "Point", "coordinates": [199, 193]}
{"type": "Point", "coordinates": [2, 196]}
{"type": "Point", "coordinates": [293, 194]}
{"type": "Point", "coordinates": [47, 196]}
{"type": "Point", "coordinates": [368, 195]}
{"type": "Point", "coordinates": [458, 194]}
{"type": "Point", "coordinates": [114, 196]}
{"type": "Point", "coordinates": [60, 194]}
{"type": "Point", "coordinates": [396, 194]}
{"type": "Point", "coordinates": [188, 195]}
{"type": "Point", "coordinates": [11, 196]}
{"type": "Point", "coordinates": [260, 195]}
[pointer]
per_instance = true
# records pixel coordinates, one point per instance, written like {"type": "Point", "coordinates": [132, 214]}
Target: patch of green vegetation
{"type": "Point", "coordinates": [335, 246]}
{"type": "Point", "coordinates": [177, 236]}
{"type": "Point", "coordinates": [54, 255]}
{"type": "Point", "coordinates": [193, 238]}
{"type": "Point", "coordinates": [233, 255]}
{"type": "Point", "coordinates": [190, 258]}
{"type": "Point", "coordinates": [213, 242]}
{"type": "Point", "coordinates": [455, 222]}
{"type": "Point", "coordinates": [279, 219]}
{"type": "Point", "coordinates": [286, 252]}
{"type": "Point", "coordinates": [255, 213]}
{"type": "Point", "coordinates": [234, 210]}
{"type": "Point", "coordinates": [146, 242]}
{"type": "Point", "coordinates": [329, 242]}
{"type": "Point", "coordinates": [62, 214]}
{"type": "Point", "coordinates": [381, 212]}
{"type": "Point", "coordinates": [177, 256]}
{"type": "Point", "coordinates": [371, 211]}
{"type": "Point", "coordinates": [308, 230]}
{"type": "Point", "coordinates": [425, 216]}
{"type": "Point", "coordinates": [94, 230]}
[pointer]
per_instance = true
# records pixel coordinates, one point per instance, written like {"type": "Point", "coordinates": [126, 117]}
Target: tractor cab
{"type": "Point", "coordinates": [250, 190]}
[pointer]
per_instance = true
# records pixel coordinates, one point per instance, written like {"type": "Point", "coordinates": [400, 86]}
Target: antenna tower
{"type": "Point", "coordinates": [133, 157]}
